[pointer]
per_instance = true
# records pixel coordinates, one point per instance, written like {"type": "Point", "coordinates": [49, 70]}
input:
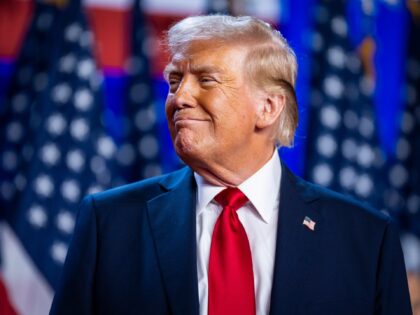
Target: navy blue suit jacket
{"type": "Point", "coordinates": [134, 252]}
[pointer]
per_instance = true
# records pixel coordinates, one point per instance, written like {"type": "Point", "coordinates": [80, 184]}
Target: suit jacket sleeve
{"type": "Point", "coordinates": [392, 295]}
{"type": "Point", "coordinates": [74, 294]}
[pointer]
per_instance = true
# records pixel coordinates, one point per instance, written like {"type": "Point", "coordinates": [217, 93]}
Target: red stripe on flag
{"type": "Point", "coordinates": [112, 31]}
{"type": "Point", "coordinates": [15, 16]}
{"type": "Point", "coordinates": [6, 307]}
{"type": "Point", "coordinates": [159, 23]}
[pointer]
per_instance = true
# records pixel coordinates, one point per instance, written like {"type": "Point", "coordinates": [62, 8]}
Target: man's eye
{"type": "Point", "coordinates": [173, 85]}
{"type": "Point", "coordinates": [207, 80]}
{"type": "Point", "coordinates": [173, 81]}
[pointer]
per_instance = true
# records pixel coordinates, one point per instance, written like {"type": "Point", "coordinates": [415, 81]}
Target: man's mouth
{"type": "Point", "coordinates": [182, 119]}
{"type": "Point", "coordinates": [187, 122]}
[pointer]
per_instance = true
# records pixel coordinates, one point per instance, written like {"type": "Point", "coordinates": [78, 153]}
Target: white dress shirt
{"type": "Point", "coordinates": [259, 218]}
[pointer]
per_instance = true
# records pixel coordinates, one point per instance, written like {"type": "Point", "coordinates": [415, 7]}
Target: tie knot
{"type": "Point", "coordinates": [232, 198]}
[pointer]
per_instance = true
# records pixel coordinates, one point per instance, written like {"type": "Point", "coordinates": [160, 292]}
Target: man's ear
{"type": "Point", "coordinates": [269, 109]}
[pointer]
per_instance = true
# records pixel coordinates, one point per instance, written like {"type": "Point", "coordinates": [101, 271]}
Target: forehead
{"type": "Point", "coordinates": [208, 54]}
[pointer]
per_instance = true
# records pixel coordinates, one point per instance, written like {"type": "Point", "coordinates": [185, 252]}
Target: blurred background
{"type": "Point", "coordinates": [82, 110]}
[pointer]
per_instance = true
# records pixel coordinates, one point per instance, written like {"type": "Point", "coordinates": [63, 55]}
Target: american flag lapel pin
{"type": "Point", "coordinates": [309, 223]}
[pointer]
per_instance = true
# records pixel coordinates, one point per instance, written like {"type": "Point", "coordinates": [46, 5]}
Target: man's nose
{"type": "Point", "coordinates": [184, 96]}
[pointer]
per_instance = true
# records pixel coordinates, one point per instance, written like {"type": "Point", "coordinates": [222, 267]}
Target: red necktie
{"type": "Point", "coordinates": [231, 279]}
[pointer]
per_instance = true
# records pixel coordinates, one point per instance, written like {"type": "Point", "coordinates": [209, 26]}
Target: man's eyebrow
{"type": "Point", "coordinates": [170, 68]}
{"type": "Point", "coordinates": [205, 69]}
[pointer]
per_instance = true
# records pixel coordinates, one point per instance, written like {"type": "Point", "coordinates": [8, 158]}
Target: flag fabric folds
{"type": "Point", "coordinates": [55, 145]}
{"type": "Point", "coordinates": [343, 152]}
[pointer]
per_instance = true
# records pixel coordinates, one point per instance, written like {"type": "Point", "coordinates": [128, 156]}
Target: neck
{"type": "Point", "coordinates": [232, 173]}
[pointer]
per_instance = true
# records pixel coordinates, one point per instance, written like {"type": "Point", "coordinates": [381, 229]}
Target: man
{"type": "Point", "coordinates": [234, 232]}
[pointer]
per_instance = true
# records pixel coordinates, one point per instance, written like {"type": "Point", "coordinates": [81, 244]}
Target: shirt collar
{"type": "Point", "coordinates": [262, 189]}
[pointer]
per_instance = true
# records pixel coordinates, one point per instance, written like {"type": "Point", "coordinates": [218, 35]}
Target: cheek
{"type": "Point", "coordinates": [169, 111]}
{"type": "Point", "coordinates": [234, 121]}
{"type": "Point", "coordinates": [168, 108]}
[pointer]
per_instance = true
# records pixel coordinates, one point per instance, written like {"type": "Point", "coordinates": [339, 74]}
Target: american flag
{"type": "Point", "coordinates": [344, 152]}
{"type": "Point", "coordinates": [140, 114]}
{"type": "Point", "coordinates": [55, 147]}
{"type": "Point", "coordinates": [309, 223]}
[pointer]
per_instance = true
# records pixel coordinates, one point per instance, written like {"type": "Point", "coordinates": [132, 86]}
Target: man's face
{"type": "Point", "coordinates": [211, 105]}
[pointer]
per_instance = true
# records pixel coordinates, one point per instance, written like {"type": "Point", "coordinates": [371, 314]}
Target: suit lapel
{"type": "Point", "coordinates": [172, 220]}
{"type": "Point", "coordinates": [295, 244]}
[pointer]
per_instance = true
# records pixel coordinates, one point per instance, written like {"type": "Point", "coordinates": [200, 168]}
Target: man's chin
{"type": "Point", "coordinates": [185, 151]}
{"type": "Point", "coordinates": [188, 152]}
